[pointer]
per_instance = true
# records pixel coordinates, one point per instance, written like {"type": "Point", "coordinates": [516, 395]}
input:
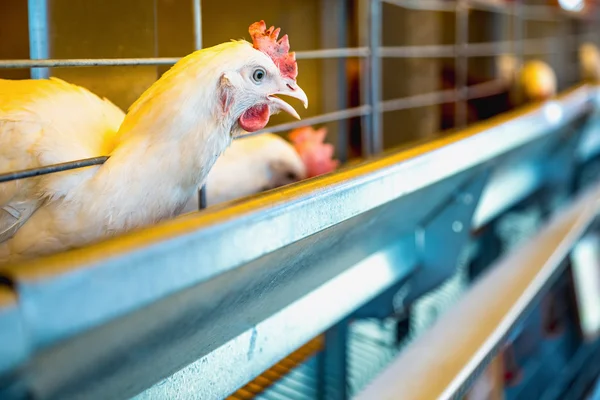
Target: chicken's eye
{"type": "Point", "coordinates": [258, 75]}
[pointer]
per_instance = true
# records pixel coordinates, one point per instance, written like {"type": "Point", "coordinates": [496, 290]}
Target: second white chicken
{"type": "Point", "coordinates": [249, 166]}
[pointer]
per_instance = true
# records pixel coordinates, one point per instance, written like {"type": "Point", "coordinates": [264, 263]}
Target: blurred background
{"type": "Point", "coordinates": [165, 28]}
{"type": "Point", "coordinates": [439, 72]}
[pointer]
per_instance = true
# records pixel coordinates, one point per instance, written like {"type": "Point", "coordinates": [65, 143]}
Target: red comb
{"type": "Point", "coordinates": [265, 40]}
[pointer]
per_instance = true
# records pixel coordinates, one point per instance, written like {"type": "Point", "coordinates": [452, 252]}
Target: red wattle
{"type": "Point", "coordinates": [255, 118]}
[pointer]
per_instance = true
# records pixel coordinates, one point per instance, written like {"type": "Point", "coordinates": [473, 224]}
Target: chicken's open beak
{"type": "Point", "coordinates": [291, 90]}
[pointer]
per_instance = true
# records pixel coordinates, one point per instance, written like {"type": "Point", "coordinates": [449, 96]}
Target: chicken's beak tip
{"type": "Point", "coordinates": [299, 94]}
{"type": "Point", "coordinates": [294, 91]}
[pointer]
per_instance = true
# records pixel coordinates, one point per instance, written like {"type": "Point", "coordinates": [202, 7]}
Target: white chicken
{"type": "Point", "coordinates": [160, 155]}
{"type": "Point", "coordinates": [535, 80]}
{"type": "Point", "coordinates": [589, 63]}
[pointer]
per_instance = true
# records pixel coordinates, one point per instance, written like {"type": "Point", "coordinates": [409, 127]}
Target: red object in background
{"type": "Point", "coordinates": [315, 153]}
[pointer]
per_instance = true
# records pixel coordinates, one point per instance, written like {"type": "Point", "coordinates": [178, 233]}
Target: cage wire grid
{"type": "Point", "coordinates": [371, 52]}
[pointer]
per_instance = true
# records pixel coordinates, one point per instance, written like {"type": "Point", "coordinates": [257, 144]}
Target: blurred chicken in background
{"type": "Point", "coordinates": [589, 63]}
{"type": "Point", "coordinates": [258, 163]}
{"type": "Point", "coordinates": [249, 166]}
{"type": "Point", "coordinates": [518, 85]}
{"type": "Point", "coordinates": [316, 154]}
{"type": "Point", "coordinates": [532, 81]}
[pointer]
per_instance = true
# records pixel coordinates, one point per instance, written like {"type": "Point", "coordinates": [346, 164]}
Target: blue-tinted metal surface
{"type": "Point", "coordinates": [15, 347]}
{"type": "Point", "coordinates": [443, 237]}
{"type": "Point", "coordinates": [334, 363]}
{"type": "Point", "coordinates": [232, 290]}
{"type": "Point", "coordinates": [455, 347]}
{"type": "Point", "coordinates": [101, 285]}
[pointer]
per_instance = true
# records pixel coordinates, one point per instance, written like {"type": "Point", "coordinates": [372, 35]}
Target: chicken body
{"type": "Point", "coordinates": [36, 131]}
{"type": "Point", "coordinates": [159, 156]}
{"type": "Point", "coordinates": [250, 165]}
{"type": "Point", "coordinates": [537, 81]}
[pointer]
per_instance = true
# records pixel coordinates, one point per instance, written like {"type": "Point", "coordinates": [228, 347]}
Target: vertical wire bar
{"type": "Point", "coordinates": [334, 14]}
{"type": "Point", "coordinates": [461, 63]}
{"type": "Point", "coordinates": [518, 32]}
{"type": "Point", "coordinates": [499, 29]}
{"type": "Point", "coordinates": [197, 6]}
{"type": "Point", "coordinates": [564, 58]}
{"type": "Point", "coordinates": [333, 364]}
{"type": "Point", "coordinates": [37, 14]}
{"type": "Point", "coordinates": [364, 15]}
{"type": "Point", "coordinates": [375, 22]}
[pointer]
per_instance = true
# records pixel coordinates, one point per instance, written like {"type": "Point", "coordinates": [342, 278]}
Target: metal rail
{"type": "Point", "coordinates": [456, 346]}
{"type": "Point", "coordinates": [484, 49]}
{"type": "Point", "coordinates": [212, 289]}
{"type": "Point", "coordinates": [529, 12]}
{"type": "Point", "coordinates": [197, 9]}
{"type": "Point", "coordinates": [28, 173]}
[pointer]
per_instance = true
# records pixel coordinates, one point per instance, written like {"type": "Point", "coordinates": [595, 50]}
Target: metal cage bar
{"type": "Point", "coordinates": [376, 78]}
{"type": "Point", "coordinates": [483, 49]}
{"type": "Point", "coordinates": [197, 7]}
{"type": "Point", "coordinates": [366, 77]}
{"type": "Point", "coordinates": [38, 34]}
{"type": "Point", "coordinates": [461, 62]}
{"type": "Point", "coordinates": [530, 12]}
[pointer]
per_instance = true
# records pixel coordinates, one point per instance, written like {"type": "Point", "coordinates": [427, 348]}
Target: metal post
{"type": "Point", "coordinates": [365, 76]}
{"type": "Point", "coordinates": [518, 31]}
{"type": "Point", "coordinates": [334, 15]}
{"type": "Point", "coordinates": [564, 59]}
{"type": "Point", "coordinates": [461, 63]}
{"type": "Point", "coordinates": [197, 5]}
{"type": "Point", "coordinates": [37, 11]}
{"type": "Point", "coordinates": [333, 364]}
{"type": "Point", "coordinates": [375, 22]}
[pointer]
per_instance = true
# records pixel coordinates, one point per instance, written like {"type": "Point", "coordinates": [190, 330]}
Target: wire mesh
{"type": "Point", "coordinates": [371, 53]}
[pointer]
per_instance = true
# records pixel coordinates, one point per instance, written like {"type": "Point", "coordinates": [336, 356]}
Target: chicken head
{"type": "Point", "coordinates": [252, 91]}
